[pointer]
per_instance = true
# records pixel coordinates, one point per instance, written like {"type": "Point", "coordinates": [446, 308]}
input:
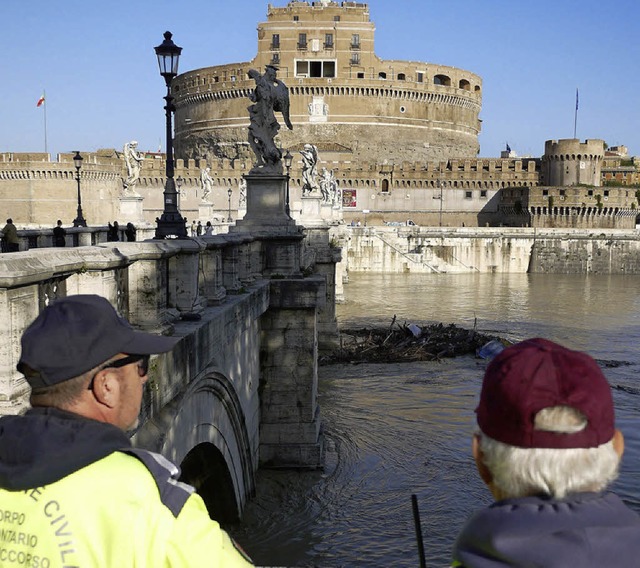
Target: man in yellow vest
{"type": "Point", "coordinates": [73, 490]}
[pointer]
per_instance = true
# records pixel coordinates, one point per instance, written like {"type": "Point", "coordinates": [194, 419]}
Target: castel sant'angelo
{"type": "Point", "coordinates": [345, 100]}
{"type": "Point", "coordinates": [399, 139]}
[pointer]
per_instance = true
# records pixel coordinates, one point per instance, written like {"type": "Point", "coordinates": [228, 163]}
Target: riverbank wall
{"type": "Point", "coordinates": [490, 250]}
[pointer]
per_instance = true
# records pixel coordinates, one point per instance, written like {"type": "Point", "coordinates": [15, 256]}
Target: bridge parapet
{"type": "Point", "coordinates": [233, 299]}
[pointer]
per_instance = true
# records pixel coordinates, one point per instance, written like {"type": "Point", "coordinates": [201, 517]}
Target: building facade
{"type": "Point", "coordinates": [344, 99]}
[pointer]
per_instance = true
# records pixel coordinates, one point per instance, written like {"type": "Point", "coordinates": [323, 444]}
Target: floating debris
{"type": "Point", "coordinates": [409, 342]}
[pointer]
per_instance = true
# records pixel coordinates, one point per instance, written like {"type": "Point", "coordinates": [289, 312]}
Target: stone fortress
{"type": "Point", "coordinates": [400, 138]}
{"type": "Point", "coordinates": [344, 99]}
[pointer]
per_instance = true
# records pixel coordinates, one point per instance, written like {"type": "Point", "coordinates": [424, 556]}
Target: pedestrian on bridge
{"type": "Point", "coordinates": [74, 491]}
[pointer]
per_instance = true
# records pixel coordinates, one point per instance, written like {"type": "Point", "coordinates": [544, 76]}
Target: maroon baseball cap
{"type": "Point", "coordinates": [535, 374]}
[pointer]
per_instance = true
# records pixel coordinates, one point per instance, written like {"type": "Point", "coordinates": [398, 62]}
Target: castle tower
{"type": "Point", "coordinates": [571, 162]}
{"type": "Point", "coordinates": [344, 98]}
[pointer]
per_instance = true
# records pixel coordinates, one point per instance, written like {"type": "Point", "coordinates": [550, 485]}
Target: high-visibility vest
{"type": "Point", "coordinates": [122, 511]}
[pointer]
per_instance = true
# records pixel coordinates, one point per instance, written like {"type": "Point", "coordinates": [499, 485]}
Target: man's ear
{"type": "Point", "coordinates": [106, 387]}
{"type": "Point", "coordinates": [618, 443]}
{"type": "Point", "coordinates": [483, 470]}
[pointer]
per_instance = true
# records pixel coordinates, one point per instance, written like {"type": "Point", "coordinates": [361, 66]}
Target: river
{"type": "Point", "coordinates": [401, 429]}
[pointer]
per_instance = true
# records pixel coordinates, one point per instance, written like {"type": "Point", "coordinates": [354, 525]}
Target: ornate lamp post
{"type": "Point", "coordinates": [171, 224]}
{"type": "Point", "coordinates": [229, 192]}
{"type": "Point", "coordinates": [441, 200]}
{"type": "Point", "coordinates": [179, 182]}
{"type": "Point", "coordinates": [288, 159]}
{"type": "Point", "coordinates": [79, 220]}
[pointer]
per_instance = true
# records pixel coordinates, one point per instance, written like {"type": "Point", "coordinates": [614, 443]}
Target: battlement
{"type": "Point", "coordinates": [350, 11]}
{"type": "Point", "coordinates": [574, 149]}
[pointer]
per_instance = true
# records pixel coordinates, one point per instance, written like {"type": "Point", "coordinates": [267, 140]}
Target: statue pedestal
{"type": "Point", "coordinates": [266, 199]}
{"type": "Point", "coordinates": [131, 209]}
{"type": "Point", "coordinates": [266, 219]}
{"type": "Point", "coordinates": [205, 211]}
{"type": "Point", "coordinates": [311, 208]}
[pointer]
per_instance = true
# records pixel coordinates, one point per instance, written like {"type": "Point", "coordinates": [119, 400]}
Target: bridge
{"type": "Point", "coordinates": [251, 307]}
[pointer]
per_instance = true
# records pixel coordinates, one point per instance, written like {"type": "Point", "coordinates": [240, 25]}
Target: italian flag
{"type": "Point", "coordinates": [40, 100]}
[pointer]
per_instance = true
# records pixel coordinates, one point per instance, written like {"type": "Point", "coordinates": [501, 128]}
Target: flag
{"type": "Point", "coordinates": [576, 99]}
{"type": "Point", "coordinates": [508, 147]}
{"type": "Point", "coordinates": [40, 100]}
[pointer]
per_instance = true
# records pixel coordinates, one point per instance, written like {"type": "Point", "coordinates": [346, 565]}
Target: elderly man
{"type": "Point", "coordinates": [73, 490]}
{"type": "Point", "coordinates": [547, 449]}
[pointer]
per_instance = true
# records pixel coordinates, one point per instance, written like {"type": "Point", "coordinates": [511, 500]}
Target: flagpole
{"type": "Point", "coordinates": [45, 121]}
{"type": "Point", "coordinates": [575, 119]}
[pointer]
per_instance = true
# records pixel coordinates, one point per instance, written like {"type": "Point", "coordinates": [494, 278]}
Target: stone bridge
{"type": "Point", "coordinates": [251, 307]}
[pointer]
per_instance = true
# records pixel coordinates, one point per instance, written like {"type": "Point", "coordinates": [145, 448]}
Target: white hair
{"type": "Point", "coordinates": [518, 472]}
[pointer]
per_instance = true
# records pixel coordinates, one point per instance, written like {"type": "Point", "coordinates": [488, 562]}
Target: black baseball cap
{"type": "Point", "coordinates": [75, 334]}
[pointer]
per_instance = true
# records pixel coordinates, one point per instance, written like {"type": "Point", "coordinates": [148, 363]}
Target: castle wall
{"type": "Point", "coordinates": [465, 250]}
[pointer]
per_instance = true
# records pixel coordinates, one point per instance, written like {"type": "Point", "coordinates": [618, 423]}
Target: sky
{"type": "Point", "coordinates": [96, 64]}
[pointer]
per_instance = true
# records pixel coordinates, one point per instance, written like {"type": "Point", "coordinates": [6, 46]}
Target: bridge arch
{"type": "Point", "coordinates": [204, 431]}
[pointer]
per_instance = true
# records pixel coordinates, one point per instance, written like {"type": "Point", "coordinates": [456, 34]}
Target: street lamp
{"type": "Point", "coordinates": [79, 220]}
{"type": "Point", "coordinates": [288, 160]}
{"type": "Point", "coordinates": [441, 200]}
{"type": "Point", "coordinates": [229, 192]}
{"type": "Point", "coordinates": [179, 182]}
{"type": "Point", "coordinates": [171, 224]}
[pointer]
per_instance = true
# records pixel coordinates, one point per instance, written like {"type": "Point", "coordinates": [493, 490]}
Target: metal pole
{"type": "Point", "coordinates": [441, 200]}
{"type": "Point", "coordinates": [79, 221]}
{"type": "Point", "coordinates": [171, 223]}
{"type": "Point", "coordinates": [287, 210]}
{"type": "Point", "coordinates": [416, 520]}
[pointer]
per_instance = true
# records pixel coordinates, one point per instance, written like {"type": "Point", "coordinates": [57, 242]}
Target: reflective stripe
{"type": "Point", "coordinates": [173, 493]}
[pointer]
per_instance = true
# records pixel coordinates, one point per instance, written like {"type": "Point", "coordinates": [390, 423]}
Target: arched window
{"type": "Point", "coordinates": [442, 80]}
{"type": "Point", "coordinates": [464, 84]}
{"type": "Point", "coordinates": [384, 187]}
{"type": "Point", "coordinates": [382, 75]}
{"type": "Point", "coordinates": [402, 77]}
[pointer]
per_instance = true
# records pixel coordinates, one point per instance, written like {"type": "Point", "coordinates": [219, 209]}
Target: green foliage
{"type": "Point", "coordinates": [599, 200]}
{"type": "Point", "coordinates": [551, 202]}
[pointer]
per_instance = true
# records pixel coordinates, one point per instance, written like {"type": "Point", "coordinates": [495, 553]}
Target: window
{"type": "Point", "coordinates": [382, 75]}
{"type": "Point", "coordinates": [355, 59]}
{"type": "Point", "coordinates": [606, 193]}
{"type": "Point", "coordinates": [296, 18]}
{"type": "Point", "coordinates": [275, 58]}
{"type": "Point", "coordinates": [483, 194]}
{"type": "Point", "coordinates": [275, 41]}
{"type": "Point", "coordinates": [590, 193]}
{"type": "Point", "coordinates": [360, 75]}
{"type": "Point", "coordinates": [315, 68]}
{"type": "Point", "coordinates": [545, 192]}
{"type": "Point", "coordinates": [328, 41]}
{"type": "Point", "coordinates": [336, 18]}
{"type": "Point", "coordinates": [402, 77]}
{"type": "Point", "coordinates": [442, 80]}
{"type": "Point", "coordinates": [468, 194]}
{"type": "Point", "coordinates": [562, 192]}
{"type": "Point", "coordinates": [420, 77]}
{"type": "Point", "coordinates": [302, 41]}
{"type": "Point", "coordinates": [384, 186]}
{"type": "Point", "coordinates": [355, 41]}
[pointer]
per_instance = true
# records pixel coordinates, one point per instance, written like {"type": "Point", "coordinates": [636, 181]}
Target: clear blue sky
{"type": "Point", "coordinates": [95, 61]}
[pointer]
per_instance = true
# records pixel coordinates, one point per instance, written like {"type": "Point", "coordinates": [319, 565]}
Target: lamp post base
{"type": "Point", "coordinates": [171, 225]}
{"type": "Point", "coordinates": [79, 221]}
